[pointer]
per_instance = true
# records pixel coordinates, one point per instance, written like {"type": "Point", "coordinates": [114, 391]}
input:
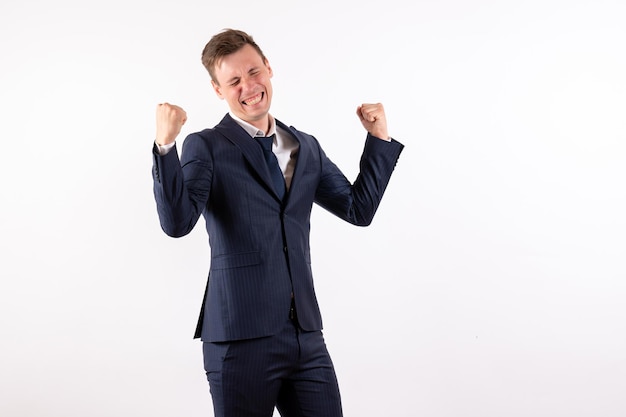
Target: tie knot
{"type": "Point", "coordinates": [266, 142]}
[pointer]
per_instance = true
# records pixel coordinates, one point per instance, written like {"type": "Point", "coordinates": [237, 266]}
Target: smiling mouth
{"type": "Point", "coordinates": [254, 100]}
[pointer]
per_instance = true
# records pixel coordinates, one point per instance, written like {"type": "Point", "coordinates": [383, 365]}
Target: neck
{"type": "Point", "coordinates": [261, 124]}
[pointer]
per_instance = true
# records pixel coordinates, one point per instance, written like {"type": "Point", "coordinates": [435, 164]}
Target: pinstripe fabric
{"type": "Point", "coordinates": [255, 358]}
{"type": "Point", "coordinates": [290, 370]}
{"type": "Point", "coordinates": [260, 253]}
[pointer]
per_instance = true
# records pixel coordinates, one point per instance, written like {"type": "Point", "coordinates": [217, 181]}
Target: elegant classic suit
{"type": "Point", "coordinates": [260, 245]}
{"type": "Point", "coordinates": [257, 353]}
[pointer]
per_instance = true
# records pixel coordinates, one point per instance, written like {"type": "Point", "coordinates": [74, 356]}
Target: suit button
{"type": "Point", "coordinates": [285, 249]}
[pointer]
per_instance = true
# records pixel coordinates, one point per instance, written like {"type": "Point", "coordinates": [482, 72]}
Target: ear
{"type": "Point", "coordinates": [217, 89]}
{"type": "Point", "coordinates": [269, 68]}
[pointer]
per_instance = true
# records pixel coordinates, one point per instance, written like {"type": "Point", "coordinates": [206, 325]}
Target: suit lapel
{"type": "Point", "coordinates": [254, 154]}
{"type": "Point", "coordinates": [249, 148]}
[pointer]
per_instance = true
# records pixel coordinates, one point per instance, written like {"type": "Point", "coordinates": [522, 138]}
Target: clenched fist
{"type": "Point", "coordinates": [169, 120]}
{"type": "Point", "coordinates": [373, 119]}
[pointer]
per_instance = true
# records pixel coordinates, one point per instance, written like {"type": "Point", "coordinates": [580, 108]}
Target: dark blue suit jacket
{"type": "Point", "coordinates": [260, 245]}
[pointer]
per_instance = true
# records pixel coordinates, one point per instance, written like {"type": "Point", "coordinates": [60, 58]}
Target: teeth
{"type": "Point", "coordinates": [254, 100]}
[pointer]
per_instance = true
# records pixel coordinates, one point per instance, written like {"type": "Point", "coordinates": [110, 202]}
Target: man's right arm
{"type": "Point", "coordinates": [180, 193]}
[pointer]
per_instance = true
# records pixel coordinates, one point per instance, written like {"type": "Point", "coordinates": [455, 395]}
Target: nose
{"type": "Point", "coordinates": [245, 83]}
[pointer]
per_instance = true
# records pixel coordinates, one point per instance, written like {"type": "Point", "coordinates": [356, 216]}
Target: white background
{"type": "Point", "coordinates": [492, 282]}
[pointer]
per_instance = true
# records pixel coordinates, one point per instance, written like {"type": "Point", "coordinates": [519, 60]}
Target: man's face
{"type": "Point", "coordinates": [243, 80]}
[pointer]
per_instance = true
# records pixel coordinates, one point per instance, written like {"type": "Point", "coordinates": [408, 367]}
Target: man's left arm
{"type": "Point", "coordinates": [357, 203]}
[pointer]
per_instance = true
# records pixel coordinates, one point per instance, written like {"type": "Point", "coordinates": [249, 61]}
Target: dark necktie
{"type": "Point", "coordinates": [272, 163]}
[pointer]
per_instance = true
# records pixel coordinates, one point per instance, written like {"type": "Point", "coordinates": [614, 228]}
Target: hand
{"type": "Point", "coordinates": [169, 120]}
{"type": "Point", "coordinates": [373, 119]}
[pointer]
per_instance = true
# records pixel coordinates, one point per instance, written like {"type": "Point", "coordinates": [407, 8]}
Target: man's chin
{"type": "Point", "coordinates": [254, 114]}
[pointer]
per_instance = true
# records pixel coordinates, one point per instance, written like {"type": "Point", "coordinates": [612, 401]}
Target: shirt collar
{"type": "Point", "coordinates": [252, 130]}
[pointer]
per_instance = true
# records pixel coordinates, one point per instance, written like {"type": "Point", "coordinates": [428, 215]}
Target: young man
{"type": "Point", "coordinates": [254, 179]}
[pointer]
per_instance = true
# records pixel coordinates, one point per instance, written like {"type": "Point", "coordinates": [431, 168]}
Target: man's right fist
{"type": "Point", "coordinates": [169, 120]}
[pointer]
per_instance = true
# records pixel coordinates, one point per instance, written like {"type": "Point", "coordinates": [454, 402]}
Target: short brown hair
{"type": "Point", "coordinates": [225, 43]}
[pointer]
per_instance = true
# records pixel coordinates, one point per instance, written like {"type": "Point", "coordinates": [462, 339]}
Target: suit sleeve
{"type": "Point", "coordinates": [357, 203]}
{"type": "Point", "coordinates": [182, 186]}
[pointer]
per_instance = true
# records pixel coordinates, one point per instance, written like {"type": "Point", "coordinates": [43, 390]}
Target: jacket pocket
{"type": "Point", "coordinates": [235, 260]}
